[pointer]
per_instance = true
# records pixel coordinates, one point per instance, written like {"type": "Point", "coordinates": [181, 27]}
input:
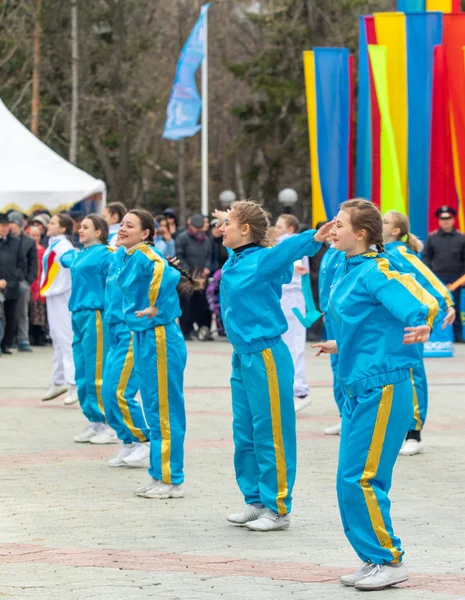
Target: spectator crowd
{"type": "Point", "coordinates": [198, 247]}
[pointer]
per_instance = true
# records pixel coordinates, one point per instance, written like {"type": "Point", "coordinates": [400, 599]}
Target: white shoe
{"type": "Point", "coordinates": [89, 432]}
{"type": "Point", "coordinates": [160, 490]}
{"type": "Point", "coordinates": [139, 456]}
{"type": "Point", "coordinates": [250, 513]}
{"type": "Point", "coordinates": [334, 429]}
{"type": "Point", "coordinates": [269, 521]}
{"type": "Point", "coordinates": [125, 451]}
{"type": "Point", "coordinates": [411, 447]}
{"type": "Point", "coordinates": [301, 403]}
{"type": "Point", "coordinates": [71, 395]}
{"type": "Point", "coordinates": [105, 436]}
{"type": "Point", "coordinates": [364, 570]}
{"type": "Point", "coordinates": [54, 391]}
{"type": "Point", "coordinates": [383, 576]}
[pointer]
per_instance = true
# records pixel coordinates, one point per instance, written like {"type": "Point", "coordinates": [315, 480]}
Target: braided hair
{"type": "Point", "coordinates": [189, 283]}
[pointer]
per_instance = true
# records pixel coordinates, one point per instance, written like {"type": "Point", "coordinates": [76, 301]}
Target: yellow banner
{"type": "Point", "coordinates": [392, 197]}
{"type": "Point", "coordinates": [439, 5]}
{"type": "Point", "coordinates": [391, 33]}
{"type": "Point", "coordinates": [318, 209]}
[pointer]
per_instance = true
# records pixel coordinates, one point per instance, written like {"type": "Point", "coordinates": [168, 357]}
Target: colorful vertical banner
{"type": "Point", "coordinates": [409, 6]}
{"type": "Point", "coordinates": [441, 178]}
{"type": "Point", "coordinates": [445, 6]}
{"type": "Point", "coordinates": [328, 104]}
{"type": "Point", "coordinates": [391, 33]}
{"type": "Point", "coordinates": [454, 41]}
{"type": "Point", "coordinates": [424, 32]}
{"type": "Point", "coordinates": [392, 197]}
{"type": "Point", "coordinates": [185, 104]}
{"type": "Point", "coordinates": [364, 137]}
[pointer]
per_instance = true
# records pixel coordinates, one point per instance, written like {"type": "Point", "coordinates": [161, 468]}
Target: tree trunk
{"type": "Point", "coordinates": [75, 83]}
{"type": "Point", "coordinates": [36, 72]}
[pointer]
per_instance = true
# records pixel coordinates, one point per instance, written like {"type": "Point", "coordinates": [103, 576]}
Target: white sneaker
{"type": "Point", "coordinates": [54, 391]}
{"type": "Point", "coordinates": [411, 447]}
{"type": "Point", "coordinates": [364, 570]}
{"type": "Point", "coordinates": [269, 521]}
{"type": "Point", "coordinates": [105, 436]}
{"type": "Point", "coordinates": [301, 403]}
{"type": "Point", "coordinates": [160, 490]}
{"type": "Point", "coordinates": [140, 455]}
{"type": "Point", "coordinates": [125, 451]}
{"type": "Point", "coordinates": [334, 429]}
{"type": "Point", "coordinates": [71, 395]}
{"type": "Point", "coordinates": [250, 513]}
{"type": "Point", "coordinates": [89, 432]}
{"type": "Point", "coordinates": [383, 576]}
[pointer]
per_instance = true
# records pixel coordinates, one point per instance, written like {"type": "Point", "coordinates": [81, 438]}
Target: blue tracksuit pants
{"type": "Point", "coordinates": [420, 397]}
{"type": "Point", "coordinates": [374, 425]}
{"type": "Point", "coordinates": [120, 385]}
{"type": "Point", "coordinates": [160, 358]}
{"type": "Point", "coordinates": [264, 426]}
{"type": "Point", "coordinates": [338, 391]}
{"type": "Point", "coordinates": [89, 351]}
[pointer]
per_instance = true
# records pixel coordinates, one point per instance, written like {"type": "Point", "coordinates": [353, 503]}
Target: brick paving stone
{"type": "Point", "coordinates": [70, 527]}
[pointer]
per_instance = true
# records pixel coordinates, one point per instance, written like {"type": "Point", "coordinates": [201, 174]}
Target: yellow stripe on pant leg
{"type": "Point", "coordinates": [275, 406]}
{"type": "Point", "coordinates": [121, 391]}
{"type": "Point", "coordinates": [371, 469]}
{"type": "Point", "coordinates": [416, 407]}
{"type": "Point", "coordinates": [163, 403]}
{"type": "Point", "coordinates": [99, 360]}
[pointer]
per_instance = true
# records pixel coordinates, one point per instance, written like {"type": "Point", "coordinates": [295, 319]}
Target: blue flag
{"type": "Point", "coordinates": [182, 114]}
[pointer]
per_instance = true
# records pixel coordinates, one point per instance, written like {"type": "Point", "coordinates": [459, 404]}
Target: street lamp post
{"type": "Point", "coordinates": [287, 198]}
{"type": "Point", "coordinates": [227, 197]}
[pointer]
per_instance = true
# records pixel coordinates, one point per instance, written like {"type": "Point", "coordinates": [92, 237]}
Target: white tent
{"type": "Point", "coordinates": [33, 177]}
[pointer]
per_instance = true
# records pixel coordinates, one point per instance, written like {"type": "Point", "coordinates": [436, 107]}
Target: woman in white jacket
{"type": "Point", "coordinates": [55, 286]}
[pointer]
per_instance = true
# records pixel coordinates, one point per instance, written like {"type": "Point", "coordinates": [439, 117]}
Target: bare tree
{"type": "Point", "coordinates": [74, 82]}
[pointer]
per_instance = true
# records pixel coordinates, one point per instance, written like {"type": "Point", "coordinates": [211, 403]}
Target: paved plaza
{"type": "Point", "coordinates": [71, 528]}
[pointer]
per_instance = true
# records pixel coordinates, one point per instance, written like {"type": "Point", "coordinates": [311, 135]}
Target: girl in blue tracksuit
{"type": "Point", "coordinates": [328, 267]}
{"type": "Point", "coordinates": [151, 307]}
{"type": "Point", "coordinates": [120, 385]}
{"type": "Point", "coordinates": [396, 228]}
{"type": "Point", "coordinates": [262, 370]}
{"type": "Point", "coordinates": [380, 318]}
{"type": "Point", "coordinates": [89, 269]}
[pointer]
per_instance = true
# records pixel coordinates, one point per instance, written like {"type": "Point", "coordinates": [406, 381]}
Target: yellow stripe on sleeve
{"type": "Point", "coordinates": [158, 269]}
{"type": "Point", "coordinates": [414, 288]}
{"type": "Point", "coordinates": [427, 274]}
{"type": "Point", "coordinates": [371, 469]}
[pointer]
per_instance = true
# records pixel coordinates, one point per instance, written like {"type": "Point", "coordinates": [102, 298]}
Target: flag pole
{"type": "Point", "coordinates": [205, 122]}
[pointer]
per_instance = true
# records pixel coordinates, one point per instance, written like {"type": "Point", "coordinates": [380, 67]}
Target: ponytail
{"type": "Point", "coordinates": [189, 283]}
{"type": "Point", "coordinates": [414, 243]}
{"type": "Point", "coordinates": [402, 223]}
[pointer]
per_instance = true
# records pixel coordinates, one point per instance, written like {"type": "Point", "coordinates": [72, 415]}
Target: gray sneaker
{"type": "Point", "coordinates": [364, 570]}
{"type": "Point", "coordinates": [383, 576]}
{"type": "Point", "coordinates": [159, 490]}
{"type": "Point", "coordinates": [250, 513]}
{"type": "Point", "coordinates": [269, 521]}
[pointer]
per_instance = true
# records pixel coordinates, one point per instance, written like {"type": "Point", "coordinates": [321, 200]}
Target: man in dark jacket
{"type": "Point", "coordinates": [194, 250]}
{"type": "Point", "coordinates": [12, 265]}
{"type": "Point", "coordinates": [29, 250]}
{"type": "Point", "coordinates": [444, 254]}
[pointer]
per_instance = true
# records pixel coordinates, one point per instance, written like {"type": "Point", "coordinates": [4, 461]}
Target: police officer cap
{"type": "Point", "coordinates": [446, 212]}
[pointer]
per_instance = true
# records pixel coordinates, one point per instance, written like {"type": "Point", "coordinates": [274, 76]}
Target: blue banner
{"type": "Point", "coordinates": [182, 114]}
